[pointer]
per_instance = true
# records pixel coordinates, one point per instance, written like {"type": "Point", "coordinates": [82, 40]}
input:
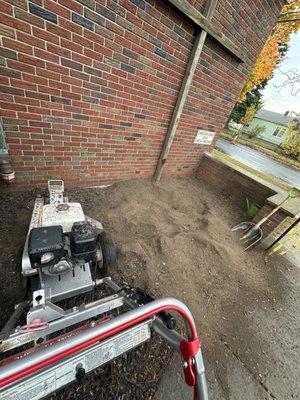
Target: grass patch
{"type": "Point", "coordinates": [226, 158]}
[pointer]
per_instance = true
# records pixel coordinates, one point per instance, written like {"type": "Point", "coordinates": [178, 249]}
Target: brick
{"type": "Point", "coordinates": [6, 8]}
{"type": "Point", "coordinates": [105, 126]}
{"type": "Point", "coordinates": [82, 59]}
{"type": "Point", "coordinates": [11, 90]}
{"type": "Point", "coordinates": [5, 31]}
{"type": "Point", "coordinates": [60, 51]}
{"type": "Point", "coordinates": [78, 48]}
{"type": "Point", "coordinates": [72, 5]}
{"type": "Point", "coordinates": [10, 73]}
{"type": "Point", "coordinates": [30, 40]}
{"type": "Point", "coordinates": [127, 68]}
{"type": "Point", "coordinates": [81, 116]}
{"type": "Point", "coordinates": [96, 93]}
{"type": "Point", "coordinates": [45, 55]}
{"type": "Point", "coordinates": [42, 13]}
{"type": "Point", "coordinates": [89, 3]}
{"type": "Point", "coordinates": [18, 3]}
{"type": "Point", "coordinates": [78, 19]}
{"type": "Point", "coordinates": [41, 34]}
{"type": "Point", "coordinates": [35, 95]}
{"type": "Point", "coordinates": [30, 18]}
{"type": "Point", "coordinates": [62, 100]}
{"type": "Point", "coordinates": [56, 30]}
{"type": "Point", "coordinates": [92, 71]}
{"type": "Point", "coordinates": [57, 10]}
{"type": "Point", "coordinates": [105, 12]}
{"type": "Point", "coordinates": [79, 75]}
{"type": "Point", "coordinates": [8, 53]}
{"type": "Point", "coordinates": [140, 116]}
{"type": "Point", "coordinates": [139, 3]}
{"type": "Point", "coordinates": [71, 64]}
{"type": "Point", "coordinates": [90, 99]}
{"type": "Point", "coordinates": [90, 15]}
{"type": "Point", "coordinates": [13, 44]}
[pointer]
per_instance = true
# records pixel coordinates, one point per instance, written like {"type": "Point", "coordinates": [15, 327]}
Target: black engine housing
{"type": "Point", "coordinates": [48, 239]}
{"type": "Point", "coordinates": [83, 241]}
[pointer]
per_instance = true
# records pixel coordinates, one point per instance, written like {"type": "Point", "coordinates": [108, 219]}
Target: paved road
{"type": "Point", "coordinates": [260, 162]}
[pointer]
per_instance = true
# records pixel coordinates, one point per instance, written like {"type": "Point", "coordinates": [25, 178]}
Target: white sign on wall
{"type": "Point", "coordinates": [204, 137]}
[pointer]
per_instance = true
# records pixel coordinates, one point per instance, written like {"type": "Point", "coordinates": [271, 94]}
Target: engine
{"type": "Point", "coordinates": [58, 252]}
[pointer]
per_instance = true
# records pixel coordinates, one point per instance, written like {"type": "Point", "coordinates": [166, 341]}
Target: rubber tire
{"type": "Point", "coordinates": [109, 252]}
{"type": "Point", "coordinates": [12, 282]}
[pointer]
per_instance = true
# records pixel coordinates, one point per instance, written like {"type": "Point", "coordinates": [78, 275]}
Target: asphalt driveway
{"type": "Point", "coordinates": [260, 162]}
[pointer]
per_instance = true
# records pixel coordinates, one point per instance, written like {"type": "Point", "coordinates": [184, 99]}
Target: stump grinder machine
{"type": "Point", "coordinates": [44, 345]}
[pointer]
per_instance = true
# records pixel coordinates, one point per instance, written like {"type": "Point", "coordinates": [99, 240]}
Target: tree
{"type": "Point", "coordinates": [256, 130]}
{"type": "Point", "coordinates": [291, 143]}
{"type": "Point", "coordinates": [291, 82]}
{"type": "Point", "coordinates": [271, 55]}
{"type": "Point", "coordinates": [252, 98]}
{"type": "Point", "coordinates": [249, 114]}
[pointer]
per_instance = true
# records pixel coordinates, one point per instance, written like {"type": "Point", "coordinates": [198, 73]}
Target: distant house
{"type": "Point", "coordinates": [275, 125]}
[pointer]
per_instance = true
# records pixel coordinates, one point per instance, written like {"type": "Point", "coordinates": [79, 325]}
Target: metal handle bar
{"type": "Point", "coordinates": [190, 350]}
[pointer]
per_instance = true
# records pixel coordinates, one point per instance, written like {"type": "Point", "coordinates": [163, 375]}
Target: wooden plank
{"type": "Point", "coordinates": [185, 86]}
{"type": "Point", "coordinates": [204, 23]}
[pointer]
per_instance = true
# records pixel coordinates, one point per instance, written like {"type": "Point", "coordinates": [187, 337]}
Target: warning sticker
{"type": "Point", "coordinates": [40, 385]}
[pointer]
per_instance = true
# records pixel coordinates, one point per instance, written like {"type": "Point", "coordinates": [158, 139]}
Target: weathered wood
{"type": "Point", "coordinates": [185, 86]}
{"type": "Point", "coordinates": [204, 23]}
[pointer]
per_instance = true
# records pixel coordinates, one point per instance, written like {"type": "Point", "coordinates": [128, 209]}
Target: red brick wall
{"type": "Point", "coordinates": [236, 186]}
{"type": "Point", "coordinates": [273, 221]}
{"type": "Point", "coordinates": [88, 86]}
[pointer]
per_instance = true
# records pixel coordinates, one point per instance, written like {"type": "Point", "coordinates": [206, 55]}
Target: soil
{"type": "Point", "coordinates": [174, 239]}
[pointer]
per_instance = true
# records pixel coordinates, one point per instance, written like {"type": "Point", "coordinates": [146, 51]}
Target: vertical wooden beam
{"type": "Point", "coordinates": [185, 86]}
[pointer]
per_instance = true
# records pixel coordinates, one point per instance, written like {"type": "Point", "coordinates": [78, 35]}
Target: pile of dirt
{"type": "Point", "coordinates": [173, 239]}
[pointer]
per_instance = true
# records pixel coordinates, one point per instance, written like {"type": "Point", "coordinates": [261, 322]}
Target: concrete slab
{"type": "Point", "coordinates": [268, 371]}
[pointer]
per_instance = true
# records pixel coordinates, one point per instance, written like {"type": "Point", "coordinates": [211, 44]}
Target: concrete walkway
{"type": "Point", "coordinates": [273, 373]}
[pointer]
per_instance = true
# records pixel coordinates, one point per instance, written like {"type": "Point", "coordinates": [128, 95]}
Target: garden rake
{"type": "Point", "coordinates": [253, 232]}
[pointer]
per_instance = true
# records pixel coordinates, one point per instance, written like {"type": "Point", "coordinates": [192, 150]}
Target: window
{"type": "Point", "coordinates": [279, 132]}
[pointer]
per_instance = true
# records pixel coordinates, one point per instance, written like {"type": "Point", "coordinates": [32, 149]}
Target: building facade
{"type": "Point", "coordinates": [273, 123]}
{"type": "Point", "coordinates": [88, 87]}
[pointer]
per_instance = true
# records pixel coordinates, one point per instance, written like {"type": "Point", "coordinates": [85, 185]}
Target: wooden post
{"type": "Point", "coordinates": [185, 86]}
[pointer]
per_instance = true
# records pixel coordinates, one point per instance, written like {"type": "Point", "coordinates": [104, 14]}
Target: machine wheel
{"type": "Point", "coordinates": [109, 253]}
{"type": "Point", "coordinates": [12, 282]}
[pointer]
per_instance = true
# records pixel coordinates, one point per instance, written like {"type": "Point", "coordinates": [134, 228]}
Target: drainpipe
{"type": "Point", "coordinates": [7, 173]}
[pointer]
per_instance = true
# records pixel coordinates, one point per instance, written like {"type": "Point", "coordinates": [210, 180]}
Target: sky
{"type": "Point", "coordinates": [281, 100]}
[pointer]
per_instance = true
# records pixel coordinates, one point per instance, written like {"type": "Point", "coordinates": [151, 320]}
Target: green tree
{"type": "Point", "coordinates": [256, 130]}
{"type": "Point", "coordinates": [291, 143]}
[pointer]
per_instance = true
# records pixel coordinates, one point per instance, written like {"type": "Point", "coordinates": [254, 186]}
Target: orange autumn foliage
{"type": "Point", "coordinates": [270, 55]}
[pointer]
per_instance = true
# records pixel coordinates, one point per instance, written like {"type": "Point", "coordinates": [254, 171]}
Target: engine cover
{"type": "Point", "coordinates": [65, 214]}
{"type": "Point", "coordinates": [43, 241]}
{"type": "Point", "coordinates": [83, 242]}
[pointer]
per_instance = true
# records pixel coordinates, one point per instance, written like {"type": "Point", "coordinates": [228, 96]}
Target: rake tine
{"type": "Point", "coordinates": [252, 244]}
{"type": "Point", "coordinates": [243, 225]}
{"type": "Point", "coordinates": [249, 234]}
{"type": "Point", "coordinates": [252, 237]}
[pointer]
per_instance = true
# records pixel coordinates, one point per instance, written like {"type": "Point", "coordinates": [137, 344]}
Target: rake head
{"type": "Point", "coordinates": [252, 235]}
